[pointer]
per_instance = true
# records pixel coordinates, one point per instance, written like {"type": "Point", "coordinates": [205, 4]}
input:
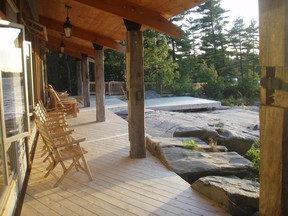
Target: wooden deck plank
{"type": "Point", "coordinates": [120, 186]}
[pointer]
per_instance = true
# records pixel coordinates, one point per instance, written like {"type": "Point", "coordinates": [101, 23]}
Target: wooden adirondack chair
{"type": "Point", "coordinates": [63, 150]}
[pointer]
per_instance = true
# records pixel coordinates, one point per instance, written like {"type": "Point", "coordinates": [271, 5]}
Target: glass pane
{"type": "Point", "coordinates": [13, 83]}
{"type": "Point", "coordinates": [11, 160]}
{"type": "Point", "coordinates": [28, 57]}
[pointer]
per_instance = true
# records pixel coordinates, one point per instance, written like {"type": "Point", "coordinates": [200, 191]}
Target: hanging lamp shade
{"type": "Point", "coordinates": [62, 47]}
{"type": "Point", "coordinates": [60, 54]}
{"type": "Point", "coordinates": [67, 26]}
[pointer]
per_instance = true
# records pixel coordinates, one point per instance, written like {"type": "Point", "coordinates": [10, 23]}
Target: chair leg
{"type": "Point", "coordinates": [87, 170]}
{"type": "Point", "coordinates": [66, 171]}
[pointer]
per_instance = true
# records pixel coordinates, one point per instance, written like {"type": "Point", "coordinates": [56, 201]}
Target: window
{"type": "Point", "coordinates": [13, 83]}
{"type": "Point", "coordinates": [14, 112]}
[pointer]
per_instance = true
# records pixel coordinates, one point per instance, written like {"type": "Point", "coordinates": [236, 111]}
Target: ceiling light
{"type": "Point", "coordinates": [62, 45]}
{"type": "Point", "coordinates": [67, 26]}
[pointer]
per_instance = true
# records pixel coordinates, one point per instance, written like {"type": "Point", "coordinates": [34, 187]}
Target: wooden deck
{"type": "Point", "coordinates": [120, 186]}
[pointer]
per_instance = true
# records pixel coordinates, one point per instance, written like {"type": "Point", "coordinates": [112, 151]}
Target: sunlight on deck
{"type": "Point", "coordinates": [120, 186]}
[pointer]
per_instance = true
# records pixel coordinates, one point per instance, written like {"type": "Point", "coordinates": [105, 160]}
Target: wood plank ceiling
{"type": "Point", "coordinates": [101, 21]}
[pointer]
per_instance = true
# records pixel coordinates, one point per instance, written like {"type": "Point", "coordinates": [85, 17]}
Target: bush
{"type": "Point", "coordinates": [214, 88]}
{"type": "Point", "coordinates": [190, 144]}
{"type": "Point", "coordinates": [254, 156]}
{"type": "Point", "coordinates": [248, 86]}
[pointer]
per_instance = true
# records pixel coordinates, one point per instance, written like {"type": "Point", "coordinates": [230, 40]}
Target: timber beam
{"type": "Point", "coordinates": [83, 34]}
{"type": "Point", "coordinates": [137, 14]}
{"type": "Point", "coordinates": [70, 47]}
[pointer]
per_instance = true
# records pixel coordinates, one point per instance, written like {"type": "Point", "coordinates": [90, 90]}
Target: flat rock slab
{"type": "Point", "coordinates": [241, 123]}
{"type": "Point", "coordinates": [240, 197]}
{"type": "Point", "coordinates": [192, 165]}
{"type": "Point", "coordinates": [155, 142]}
{"type": "Point", "coordinates": [232, 142]}
{"type": "Point", "coordinates": [180, 103]}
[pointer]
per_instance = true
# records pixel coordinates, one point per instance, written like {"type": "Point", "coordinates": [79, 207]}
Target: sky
{"type": "Point", "coordinates": [246, 9]}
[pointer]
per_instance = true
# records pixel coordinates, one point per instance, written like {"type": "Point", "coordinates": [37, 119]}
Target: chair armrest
{"type": "Point", "coordinates": [70, 143]}
{"type": "Point", "coordinates": [61, 134]}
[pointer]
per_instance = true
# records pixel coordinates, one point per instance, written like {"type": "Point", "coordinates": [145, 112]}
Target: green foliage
{"type": "Point", "coordinates": [61, 72]}
{"type": "Point", "coordinates": [114, 66]}
{"type": "Point", "coordinates": [182, 84]}
{"type": "Point", "coordinates": [254, 156]}
{"type": "Point", "coordinates": [158, 64]}
{"type": "Point", "coordinates": [248, 86]}
{"type": "Point", "coordinates": [231, 101]}
{"type": "Point", "coordinates": [213, 40]}
{"type": "Point", "coordinates": [190, 144]}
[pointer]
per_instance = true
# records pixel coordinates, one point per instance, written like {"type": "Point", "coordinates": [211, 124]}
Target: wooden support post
{"type": "Point", "coordinates": [135, 85]}
{"type": "Point", "coordinates": [79, 78]}
{"type": "Point", "coordinates": [274, 107]}
{"type": "Point", "coordinates": [38, 79]}
{"type": "Point", "coordinates": [99, 83]}
{"type": "Point", "coordinates": [85, 78]}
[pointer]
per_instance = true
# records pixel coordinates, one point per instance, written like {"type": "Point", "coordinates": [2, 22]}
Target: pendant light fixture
{"type": "Point", "coordinates": [67, 26]}
{"type": "Point", "coordinates": [62, 45]}
{"type": "Point", "coordinates": [60, 54]}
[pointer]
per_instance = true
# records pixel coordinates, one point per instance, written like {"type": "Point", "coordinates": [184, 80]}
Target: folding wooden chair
{"type": "Point", "coordinates": [52, 119]}
{"type": "Point", "coordinates": [64, 150]}
{"type": "Point", "coordinates": [55, 121]}
{"type": "Point", "coordinates": [66, 104]}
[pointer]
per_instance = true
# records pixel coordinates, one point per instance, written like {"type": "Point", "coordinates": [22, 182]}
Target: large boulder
{"type": "Point", "coordinates": [234, 128]}
{"type": "Point", "coordinates": [240, 197]}
{"type": "Point", "coordinates": [192, 165]}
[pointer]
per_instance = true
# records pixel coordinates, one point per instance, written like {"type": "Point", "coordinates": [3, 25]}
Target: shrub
{"type": "Point", "coordinates": [254, 156]}
{"type": "Point", "coordinates": [248, 86]}
{"type": "Point", "coordinates": [190, 144]}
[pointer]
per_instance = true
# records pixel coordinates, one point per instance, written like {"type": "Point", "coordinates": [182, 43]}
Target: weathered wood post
{"type": "Point", "coordinates": [85, 78]}
{"type": "Point", "coordinates": [274, 107]}
{"type": "Point", "coordinates": [79, 77]}
{"type": "Point", "coordinates": [99, 83]}
{"type": "Point", "coordinates": [135, 94]}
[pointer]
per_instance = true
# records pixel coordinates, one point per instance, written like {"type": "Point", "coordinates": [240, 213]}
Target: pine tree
{"type": "Point", "coordinates": [214, 42]}
{"type": "Point", "coordinates": [251, 46]}
{"type": "Point", "coordinates": [237, 36]}
{"type": "Point", "coordinates": [194, 35]}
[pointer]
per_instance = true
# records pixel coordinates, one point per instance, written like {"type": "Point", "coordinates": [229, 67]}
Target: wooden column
{"type": "Point", "coordinates": [135, 86]}
{"type": "Point", "coordinates": [99, 83]}
{"type": "Point", "coordinates": [79, 78]}
{"type": "Point", "coordinates": [274, 107]}
{"type": "Point", "coordinates": [85, 78]}
{"type": "Point", "coordinates": [37, 69]}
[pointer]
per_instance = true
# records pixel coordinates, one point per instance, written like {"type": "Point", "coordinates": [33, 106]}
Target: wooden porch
{"type": "Point", "coordinates": [120, 186]}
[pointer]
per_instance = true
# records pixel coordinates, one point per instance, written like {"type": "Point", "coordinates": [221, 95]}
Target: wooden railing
{"type": "Point", "coordinates": [118, 87]}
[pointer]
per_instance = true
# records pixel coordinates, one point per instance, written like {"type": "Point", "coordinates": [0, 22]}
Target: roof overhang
{"type": "Point", "coordinates": [101, 21]}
